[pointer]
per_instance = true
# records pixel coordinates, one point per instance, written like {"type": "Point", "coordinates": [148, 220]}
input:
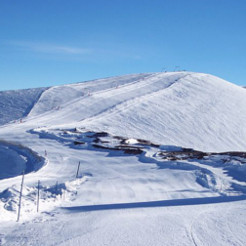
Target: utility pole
{"type": "Point", "coordinates": [77, 174]}
{"type": "Point", "coordinates": [163, 69]}
{"type": "Point", "coordinates": [21, 189]}
{"type": "Point", "coordinates": [38, 196]}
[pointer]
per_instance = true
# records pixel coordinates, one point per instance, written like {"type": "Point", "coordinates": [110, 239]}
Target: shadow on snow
{"type": "Point", "coordinates": [152, 204]}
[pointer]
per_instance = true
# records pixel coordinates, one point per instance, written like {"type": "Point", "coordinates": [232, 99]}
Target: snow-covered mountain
{"type": "Point", "coordinates": [128, 160]}
{"type": "Point", "coordinates": [181, 108]}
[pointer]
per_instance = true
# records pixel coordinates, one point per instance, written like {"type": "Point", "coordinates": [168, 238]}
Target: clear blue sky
{"type": "Point", "coordinates": [51, 42]}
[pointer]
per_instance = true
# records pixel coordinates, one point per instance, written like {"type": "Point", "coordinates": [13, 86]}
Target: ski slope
{"type": "Point", "coordinates": [150, 169]}
{"type": "Point", "coordinates": [187, 109]}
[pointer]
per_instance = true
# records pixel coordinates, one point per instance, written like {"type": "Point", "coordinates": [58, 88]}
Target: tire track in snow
{"type": "Point", "coordinates": [238, 241]}
{"type": "Point", "coordinates": [191, 233]}
{"type": "Point", "coordinates": [215, 222]}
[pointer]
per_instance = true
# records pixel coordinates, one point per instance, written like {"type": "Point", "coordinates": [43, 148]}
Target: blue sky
{"type": "Point", "coordinates": [51, 42]}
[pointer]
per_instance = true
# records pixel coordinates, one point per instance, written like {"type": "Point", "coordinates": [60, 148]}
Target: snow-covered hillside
{"type": "Point", "coordinates": [17, 104]}
{"type": "Point", "coordinates": [183, 108]}
{"type": "Point", "coordinates": [139, 181]}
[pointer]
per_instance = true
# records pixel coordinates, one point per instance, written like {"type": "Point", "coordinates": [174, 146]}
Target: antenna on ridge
{"type": "Point", "coordinates": [164, 70]}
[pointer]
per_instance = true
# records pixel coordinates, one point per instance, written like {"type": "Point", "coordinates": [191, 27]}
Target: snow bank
{"type": "Point", "coordinates": [16, 158]}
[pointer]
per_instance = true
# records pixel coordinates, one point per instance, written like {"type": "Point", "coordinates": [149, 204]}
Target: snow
{"type": "Point", "coordinates": [137, 182]}
{"type": "Point", "coordinates": [16, 104]}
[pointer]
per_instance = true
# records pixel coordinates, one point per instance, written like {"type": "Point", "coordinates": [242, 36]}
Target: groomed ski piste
{"type": "Point", "coordinates": [143, 159]}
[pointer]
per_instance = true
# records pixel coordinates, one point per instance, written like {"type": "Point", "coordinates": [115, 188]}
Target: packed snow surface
{"type": "Point", "coordinates": [129, 160]}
